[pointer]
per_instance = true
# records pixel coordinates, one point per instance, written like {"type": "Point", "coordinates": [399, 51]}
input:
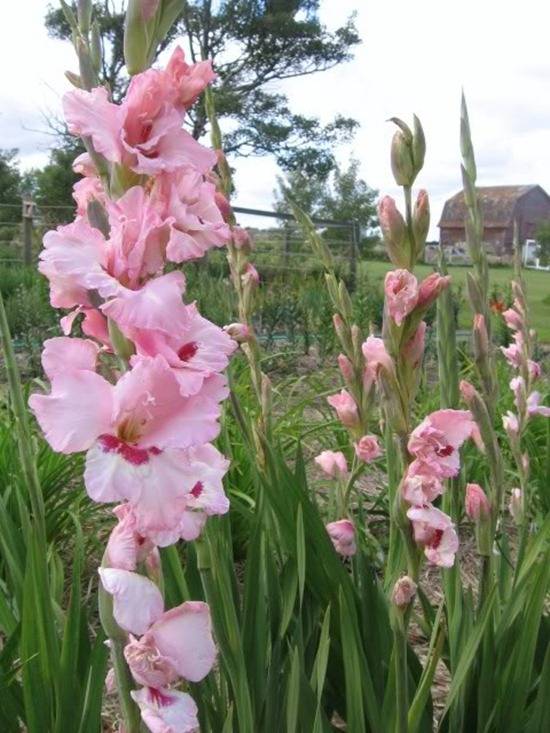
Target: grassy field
{"type": "Point", "coordinates": [538, 290]}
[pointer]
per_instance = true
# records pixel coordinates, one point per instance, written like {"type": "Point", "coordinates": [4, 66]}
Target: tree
{"type": "Point", "coordinates": [253, 43]}
{"type": "Point", "coordinates": [308, 192]}
{"type": "Point", "coordinates": [10, 195]}
{"type": "Point", "coordinates": [542, 235]}
{"type": "Point", "coordinates": [343, 197]}
{"type": "Point", "coordinates": [350, 198]}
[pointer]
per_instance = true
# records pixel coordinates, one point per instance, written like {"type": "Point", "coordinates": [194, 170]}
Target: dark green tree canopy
{"type": "Point", "coordinates": [253, 43]}
{"type": "Point", "coordinates": [10, 188]}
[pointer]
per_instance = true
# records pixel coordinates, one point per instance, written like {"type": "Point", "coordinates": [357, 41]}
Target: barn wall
{"type": "Point", "coordinates": [530, 210]}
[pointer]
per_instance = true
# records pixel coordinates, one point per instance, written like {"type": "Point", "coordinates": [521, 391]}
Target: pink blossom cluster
{"type": "Point", "coordinates": [518, 355]}
{"type": "Point", "coordinates": [145, 417]}
{"type": "Point", "coordinates": [434, 446]}
{"type": "Point", "coordinates": [404, 295]}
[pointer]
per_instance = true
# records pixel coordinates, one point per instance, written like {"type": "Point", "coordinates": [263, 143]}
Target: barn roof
{"type": "Point", "coordinates": [498, 204]}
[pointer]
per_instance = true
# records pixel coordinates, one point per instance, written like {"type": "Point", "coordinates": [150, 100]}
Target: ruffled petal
{"type": "Point", "coordinates": [137, 601]}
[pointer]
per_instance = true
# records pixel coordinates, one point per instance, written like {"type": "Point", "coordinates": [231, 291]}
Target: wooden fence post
{"type": "Point", "coordinates": [28, 211]}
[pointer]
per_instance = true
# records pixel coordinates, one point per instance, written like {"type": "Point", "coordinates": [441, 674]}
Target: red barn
{"type": "Point", "coordinates": [501, 206]}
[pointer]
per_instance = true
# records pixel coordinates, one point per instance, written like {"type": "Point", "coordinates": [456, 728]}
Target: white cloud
{"type": "Point", "coordinates": [415, 57]}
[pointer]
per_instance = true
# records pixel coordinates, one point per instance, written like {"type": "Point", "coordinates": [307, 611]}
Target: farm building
{"type": "Point", "coordinates": [501, 206]}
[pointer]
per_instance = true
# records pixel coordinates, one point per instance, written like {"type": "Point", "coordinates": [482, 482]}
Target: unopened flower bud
{"type": "Point", "coordinates": [403, 592]}
{"type": "Point", "coordinates": [250, 276]}
{"type": "Point", "coordinates": [516, 505]}
{"type": "Point", "coordinates": [513, 319]}
{"type": "Point", "coordinates": [333, 463]}
{"type": "Point", "coordinates": [476, 503]}
{"type": "Point", "coordinates": [481, 338]}
{"type": "Point", "coordinates": [346, 409]}
{"type": "Point", "coordinates": [511, 425]}
{"type": "Point", "coordinates": [138, 26]}
{"type": "Point", "coordinates": [413, 350]}
{"type": "Point", "coordinates": [534, 369]}
{"type": "Point", "coordinates": [394, 231]}
{"type": "Point", "coordinates": [421, 219]}
{"type": "Point", "coordinates": [241, 239]}
{"type": "Point", "coordinates": [430, 288]}
{"type": "Point", "coordinates": [223, 205]}
{"type": "Point", "coordinates": [346, 368]}
{"type": "Point", "coordinates": [468, 391]}
{"type": "Point", "coordinates": [239, 332]}
{"type": "Point", "coordinates": [342, 534]}
{"type": "Point", "coordinates": [401, 159]}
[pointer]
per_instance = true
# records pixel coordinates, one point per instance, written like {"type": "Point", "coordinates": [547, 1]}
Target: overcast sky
{"type": "Point", "coordinates": [415, 57]}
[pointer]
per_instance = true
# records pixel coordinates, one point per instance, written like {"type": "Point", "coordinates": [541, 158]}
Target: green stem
{"type": "Point", "coordinates": [401, 673]}
{"type": "Point", "coordinates": [125, 683]}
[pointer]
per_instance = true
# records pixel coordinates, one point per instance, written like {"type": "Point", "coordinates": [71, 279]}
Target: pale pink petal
{"type": "Point", "coordinates": [78, 409]}
{"type": "Point", "coordinates": [91, 114]}
{"type": "Point", "coordinates": [184, 635]}
{"type": "Point", "coordinates": [62, 354]}
{"type": "Point", "coordinates": [137, 602]}
{"type": "Point", "coordinates": [150, 396]}
{"type": "Point", "coordinates": [167, 711]}
{"type": "Point", "coordinates": [156, 306]}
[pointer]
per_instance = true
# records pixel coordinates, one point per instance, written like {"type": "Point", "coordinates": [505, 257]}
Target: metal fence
{"type": "Point", "coordinates": [279, 241]}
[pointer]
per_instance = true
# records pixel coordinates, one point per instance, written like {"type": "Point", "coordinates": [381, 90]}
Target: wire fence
{"type": "Point", "coordinates": [279, 242]}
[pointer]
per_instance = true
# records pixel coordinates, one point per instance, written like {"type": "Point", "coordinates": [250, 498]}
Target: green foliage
{"type": "Point", "coordinates": [542, 235]}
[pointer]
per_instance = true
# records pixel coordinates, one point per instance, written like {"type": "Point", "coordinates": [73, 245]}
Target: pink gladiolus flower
{"type": "Point", "coordinates": [401, 289]}
{"type": "Point", "coordinates": [435, 532]}
{"type": "Point", "coordinates": [436, 441]}
{"type": "Point", "coordinates": [477, 504]}
{"type": "Point", "coordinates": [86, 190]}
{"type": "Point", "coordinates": [167, 711]}
{"type": "Point", "coordinates": [403, 592]}
{"type": "Point", "coordinates": [514, 352]}
{"type": "Point", "coordinates": [376, 355]}
{"type": "Point", "coordinates": [533, 406]}
{"type": "Point", "coordinates": [144, 441]}
{"type": "Point", "coordinates": [144, 133]}
{"type": "Point", "coordinates": [333, 463]}
{"type": "Point", "coordinates": [368, 448]}
{"type": "Point", "coordinates": [188, 81]}
{"type": "Point", "coordinates": [137, 601]}
{"type": "Point", "coordinates": [345, 407]}
{"type": "Point", "coordinates": [430, 288]}
{"type": "Point", "coordinates": [513, 319]}
{"type": "Point", "coordinates": [534, 369]}
{"type": "Point", "coordinates": [511, 424]}
{"type": "Point", "coordinates": [195, 351]}
{"type": "Point", "coordinates": [126, 547]}
{"type": "Point", "coordinates": [421, 485]}
{"type": "Point", "coordinates": [147, 665]}
{"type": "Point", "coordinates": [62, 354]}
{"type": "Point", "coordinates": [187, 202]}
{"type": "Point", "coordinates": [342, 534]}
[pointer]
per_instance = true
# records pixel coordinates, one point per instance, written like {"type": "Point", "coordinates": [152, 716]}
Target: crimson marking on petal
{"type": "Point", "coordinates": [188, 351]}
{"type": "Point", "coordinates": [197, 489]}
{"type": "Point", "coordinates": [159, 698]}
{"type": "Point", "coordinates": [135, 456]}
{"type": "Point", "coordinates": [438, 534]}
{"type": "Point", "coordinates": [444, 452]}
